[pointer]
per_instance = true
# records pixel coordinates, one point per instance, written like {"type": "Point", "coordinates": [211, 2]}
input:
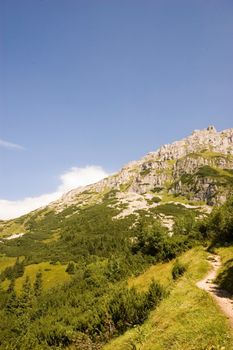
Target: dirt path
{"type": "Point", "coordinates": [222, 298]}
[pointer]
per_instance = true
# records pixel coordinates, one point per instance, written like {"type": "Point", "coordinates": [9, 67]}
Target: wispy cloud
{"type": "Point", "coordinates": [72, 178]}
{"type": "Point", "coordinates": [10, 145]}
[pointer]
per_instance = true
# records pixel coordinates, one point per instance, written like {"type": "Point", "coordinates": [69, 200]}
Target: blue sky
{"type": "Point", "coordinates": [102, 82]}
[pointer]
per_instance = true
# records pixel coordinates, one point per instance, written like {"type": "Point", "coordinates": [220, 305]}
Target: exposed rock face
{"type": "Point", "coordinates": [195, 167]}
{"type": "Point", "coordinates": [221, 142]}
{"type": "Point", "coordinates": [191, 163]}
{"type": "Point", "coordinates": [204, 177]}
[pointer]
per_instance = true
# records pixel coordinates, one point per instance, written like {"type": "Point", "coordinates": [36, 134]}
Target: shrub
{"type": "Point", "coordinates": [151, 240]}
{"type": "Point", "coordinates": [70, 268]}
{"type": "Point", "coordinates": [178, 270]}
{"type": "Point", "coordinates": [155, 293]}
{"type": "Point", "coordinates": [128, 308]}
{"type": "Point", "coordinates": [220, 223]}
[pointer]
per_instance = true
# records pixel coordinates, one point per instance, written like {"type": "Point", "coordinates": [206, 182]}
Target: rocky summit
{"type": "Point", "coordinates": [198, 167]}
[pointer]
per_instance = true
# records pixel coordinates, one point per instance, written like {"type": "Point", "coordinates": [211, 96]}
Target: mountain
{"type": "Point", "coordinates": [66, 270]}
{"type": "Point", "coordinates": [195, 171]}
{"type": "Point", "coordinates": [198, 167]}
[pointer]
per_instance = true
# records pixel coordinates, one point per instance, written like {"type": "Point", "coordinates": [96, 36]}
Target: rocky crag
{"type": "Point", "coordinates": [199, 167]}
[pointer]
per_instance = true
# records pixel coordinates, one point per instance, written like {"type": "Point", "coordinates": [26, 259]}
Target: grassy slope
{"type": "Point", "coordinates": [6, 261]}
{"type": "Point", "coordinates": [225, 276]}
{"type": "Point", "coordinates": [160, 272]}
{"type": "Point", "coordinates": [8, 228]}
{"type": "Point", "coordinates": [226, 254]}
{"type": "Point", "coordinates": [52, 275]}
{"type": "Point", "coordinates": [187, 319]}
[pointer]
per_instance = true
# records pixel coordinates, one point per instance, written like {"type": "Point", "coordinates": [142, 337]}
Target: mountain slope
{"type": "Point", "coordinates": [196, 172]}
{"type": "Point", "coordinates": [187, 319]}
{"type": "Point", "coordinates": [64, 269]}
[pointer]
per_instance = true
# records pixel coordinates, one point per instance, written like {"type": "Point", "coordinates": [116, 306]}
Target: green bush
{"type": "Point", "coordinates": [13, 272]}
{"type": "Point", "coordinates": [128, 307]}
{"type": "Point", "coordinates": [219, 226]}
{"type": "Point", "coordinates": [155, 293]}
{"type": "Point", "coordinates": [178, 270]}
{"type": "Point", "coordinates": [70, 268]}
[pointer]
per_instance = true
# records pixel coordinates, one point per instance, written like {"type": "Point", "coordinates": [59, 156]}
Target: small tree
{"type": "Point", "coordinates": [38, 284]}
{"type": "Point", "coordinates": [12, 301]}
{"type": "Point", "coordinates": [26, 298]}
{"type": "Point", "coordinates": [152, 240]}
{"type": "Point", "coordinates": [70, 268]}
{"type": "Point", "coordinates": [18, 268]}
{"type": "Point", "coordinates": [154, 294]}
{"type": "Point", "coordinates": [11, 287]}
{"type": "Point", "coordinates": [178, 270]}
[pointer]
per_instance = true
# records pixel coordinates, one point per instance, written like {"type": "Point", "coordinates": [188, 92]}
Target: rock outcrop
{"type": "Point", "coordinates": [198, 167]}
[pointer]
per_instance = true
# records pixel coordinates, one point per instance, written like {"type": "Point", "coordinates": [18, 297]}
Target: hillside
{"type": "Point", "coordinates": [193, 173]}
{"type": "Point", "coordinates": [67, 270]}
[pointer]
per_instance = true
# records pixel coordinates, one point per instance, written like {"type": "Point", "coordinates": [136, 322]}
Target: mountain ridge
{"type": "Point", "coordinates": [194, 173]}
{"type": "Point", "coordinates": [157, 162]}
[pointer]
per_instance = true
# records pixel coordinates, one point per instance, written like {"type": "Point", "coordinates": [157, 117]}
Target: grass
{"type": "Point", "coordinates": [225, 276]}
{"type": "Point", "coordinates": [167, 197]}
{"type": "Point", "coordinates": [145, 172]}
{"type": "Point", "coordinates": [52, 275]}
{"type": "Point", "coordinates": [153, 200]}
{"type": "Point", "coordinates": [207, 154]}
{"type": "Point", "coordinates": [206, 171]}
{"type": "Point", "coordinates": [229, 171]}
{"type": "Point", "coordinates": [6, 261]}
{"type": "Point", "coordinates": [124, 187]}
{"type": "Point", "coordinates": [8, 228]}
{"type": "Point", "coordinates": [172, 209]}
{"type": "Point", "coordinates": [160, 272]}
{"type": "Point", "coordinates": [54, 237]}
{"type": "Point", "coordinates": [210, 155]}
{"type": "Point", "coordinates": [226, 253]}
{"type": "Point", "coordinates": [188, 319]}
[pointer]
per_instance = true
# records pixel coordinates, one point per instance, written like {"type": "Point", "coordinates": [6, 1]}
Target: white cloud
{"type": "Point", "coordinates": [13, 209]}
{"type": "Point", "coordinates": [10, 145]}
{"type": "Point", "coordinates": [73, 178]}
{"type": "Point", "coordinates": [76, 177]}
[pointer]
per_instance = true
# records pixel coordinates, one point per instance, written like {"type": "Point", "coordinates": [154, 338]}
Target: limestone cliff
{"type": "Point", "coordinates": [198, 167]}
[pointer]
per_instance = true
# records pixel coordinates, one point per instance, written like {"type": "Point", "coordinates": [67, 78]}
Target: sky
{"type": "Point", "coordinates": [88, 85]}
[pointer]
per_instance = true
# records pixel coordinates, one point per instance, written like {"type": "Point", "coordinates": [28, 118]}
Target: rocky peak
{"type": "Point", "coordinates": [164, 167]}
{"type": "Point", "coordinates": [211, 128]}
{"type": "Point", "coordinates": [221, 142]}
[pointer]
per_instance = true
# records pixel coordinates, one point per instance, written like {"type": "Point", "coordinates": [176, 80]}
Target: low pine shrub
{"type": "Point", "coordinates": [178, 270]}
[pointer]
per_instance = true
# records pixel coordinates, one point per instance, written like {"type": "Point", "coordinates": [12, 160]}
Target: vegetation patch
{"type": "Point", "coordinates": [186, 178]}
{"type": "Point", "coordinates": [125, 187]}
{"type": "Point", "coordinates": [219, 230]}
{"type": "Point", "coordinates": [229, 171]}
{"type": "Point", "coordinates": [178, 270]}
{"type": "Point", "coordinates": [52, 275]}
{"type": "Point", "coordinates": [225, 276]}
{"type": "Point", "coordinates": [157, 189]}
{"type": "Point", "coordinates": [145, 172]}
{"type": "Point", "coordinates": [171, 209]}
{"type": "Point", "coordinates": [207, 171]}
{"type": "Point", "coordinates": [6, 261]}
{"type": "Point", "coordinates": [153, 200]}
{"type": "Point", "coordinates": [187, 319]}
{"type": "Point", "coordinates": [220, 174]}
